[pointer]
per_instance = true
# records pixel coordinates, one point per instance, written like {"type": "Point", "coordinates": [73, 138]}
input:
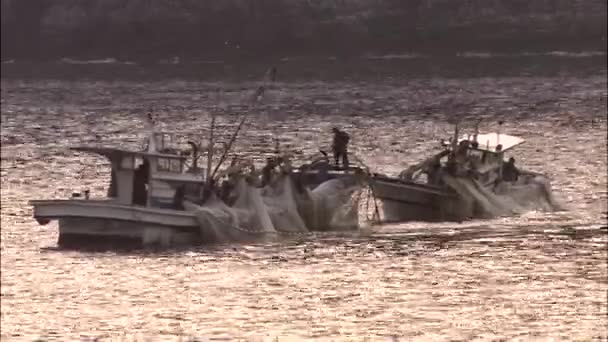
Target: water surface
{"type": "Point", "coordinates": [541, 276]}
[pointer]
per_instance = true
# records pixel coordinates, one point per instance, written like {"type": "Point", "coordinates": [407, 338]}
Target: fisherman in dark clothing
{"type": "Point", "coordinates": [178, 197]}
{"type": "Point", "coordinates": [140, 180]}
{"type": "Point", "coordinates": [273, 74]}
{"type": "Point", "coordinates": [340, 146]}
{"type": "Point", "coordinates": [433, 172]}
{"type": "Point", "coordinates": [510, 173]}
{"type": "Point", "coordinates": [226, 191]}
{"type": "Point", "coordinates": [268, 170]}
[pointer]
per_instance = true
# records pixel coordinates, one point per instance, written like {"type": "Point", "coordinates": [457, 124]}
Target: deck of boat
{"type": "Point", "coordinates": [108, 209]}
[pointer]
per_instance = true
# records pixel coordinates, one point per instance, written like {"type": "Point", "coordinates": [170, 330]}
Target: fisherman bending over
{"type": "Point", "coordinates": [340, 146]}
{"type": "Point", "coordinates": [510, 173]}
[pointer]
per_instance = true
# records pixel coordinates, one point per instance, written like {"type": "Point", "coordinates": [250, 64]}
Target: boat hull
{"type": "Point", "coordinates": [408, 201]}
{"type": "Point", "coordinates": [85, 232]}
{"type": "Point", "coordinates": [88, 223]}
{"type": "Point", "coordinates": [104, 224]}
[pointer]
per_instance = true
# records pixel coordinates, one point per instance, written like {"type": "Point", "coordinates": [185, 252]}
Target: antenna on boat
{"type": "Point", "coordinates": [476, 130]}
{"type": "Point", "coordinates": [498, 132]}
{"type": "Point", "coordinates": [210, 150]}
{"type": "Point", "coordinates": [277, 145]}
{"type": "Point", "coordinates": [258, 95]}
{"type": "Point", "coordinates": [455, 140]}
{"type": "Point", "coordinates": [151, 128]}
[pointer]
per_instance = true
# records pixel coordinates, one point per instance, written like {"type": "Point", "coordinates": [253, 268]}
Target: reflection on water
{"type": "Point", "coordinates": [542, 275]}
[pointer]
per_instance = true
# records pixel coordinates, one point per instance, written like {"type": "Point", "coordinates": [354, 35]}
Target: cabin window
{"type": "Point", "coordinates": [160, 141]}
{"type": "Point", "coordinates": [127, 163]}
{"type": "Point", "coordinates": [475, 157]}
{"type": "Point", "coordinates": [138, 161]}
{"type": "Point", "coordinates": [169, 165]}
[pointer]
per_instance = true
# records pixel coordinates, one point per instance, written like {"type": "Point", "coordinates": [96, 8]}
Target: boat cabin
{"type": "Point", "coordinates": [484, 154]}
{"type": "Point", "coordinates": [149, 178]}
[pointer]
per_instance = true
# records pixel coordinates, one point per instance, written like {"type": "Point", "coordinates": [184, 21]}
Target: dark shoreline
{"type": "Point", "coordinates": [43, 30]}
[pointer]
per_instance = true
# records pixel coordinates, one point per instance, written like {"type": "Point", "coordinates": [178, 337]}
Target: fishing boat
{"type": "Point", "coordinates": [138, 208]}
{"type": "Point", "coordinates": [155, 197]}
{"type": "Point", "coordinates": [465, 180]}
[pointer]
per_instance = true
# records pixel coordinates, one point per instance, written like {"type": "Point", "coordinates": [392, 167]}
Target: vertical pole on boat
{"type": "Point", "coordinates": [151, 135]}
{"type": "Point", "coordinates": [476, 130]}
{"type": "Point", "coordinates": [498, 133]}
{"type": "Point", "coordinates": [210, 149]}
{"type": "Point", "coordinates": [455, 140]}
{"type": "Point", "coordinates": [152, 162]}
{"type": "Point", "coordinates": [257, 97]}
{"type": "Point", "coordinates": [500, 154]}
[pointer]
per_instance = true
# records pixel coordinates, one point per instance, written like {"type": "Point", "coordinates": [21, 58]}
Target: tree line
{"type": "Point", "coordinates": [201, 28]}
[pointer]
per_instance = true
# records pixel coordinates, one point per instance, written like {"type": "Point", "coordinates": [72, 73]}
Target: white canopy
{"type": "Point", "coordinates": [489, 141]}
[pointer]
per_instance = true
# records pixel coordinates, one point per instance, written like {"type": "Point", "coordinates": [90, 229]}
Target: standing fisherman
{"type": "Point", "coordinates": [510, 173]}
{"type": "Point", "coordinates": [340, 146]}
{"type": "Point", "coordinates": [268, 171]}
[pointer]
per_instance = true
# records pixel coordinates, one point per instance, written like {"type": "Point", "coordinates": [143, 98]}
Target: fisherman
{"type": "Point", "coordinates": [273, 74]}
{"type": "Point", "coordinates": [140, 180]}
{"type": "Point", "coordinates": [268, 171]}
{"type": "Point", "coordinates": [462, 150]}
{"type": "Point", "coordinates": [178, 198]}
{"type": "Point", "coordinates": [458, 159]}
{"type": "Point", "coordinates": [226, 190]}
{"type": "Point", "coordinates": [510, 173]}
{"type": "Point", "coordinates": [340, 146]}
{"type": "Point", "coordinates": [433, 172]}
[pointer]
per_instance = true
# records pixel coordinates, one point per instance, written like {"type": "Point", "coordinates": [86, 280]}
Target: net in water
{"type": "Point", "coordinates": [279, 209]}
{"type": "Point", "coordinates": [530, 192]}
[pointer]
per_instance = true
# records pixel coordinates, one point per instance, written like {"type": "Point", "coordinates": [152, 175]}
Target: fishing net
{"type": "Point", "coordinates": [278, 209]}
{"type": "Point", "coordinates": [532, 192]}
{"type": "Point", "coordinates": [332, 206]}
{"type": "Point", "coordinates": [528, 193]}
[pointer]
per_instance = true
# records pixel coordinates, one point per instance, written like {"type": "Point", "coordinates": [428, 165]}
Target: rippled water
{"type": "Point", "coordinates": [539, 276]}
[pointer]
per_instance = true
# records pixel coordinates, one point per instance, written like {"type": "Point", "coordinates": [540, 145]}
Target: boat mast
{"type": "Point", "coordinates": [210, 150]}
{"type": "Point", "coordinates": [498, 133]}
{"type": "Point", "coordinates": [476, 130]}
{"type": "Point", "coordinates": [455, 140]}
{"type": "Point", "coordinates": [151, 135]}
{"type": "Point", "coordinates": [501, 153]}
{"type": "Point", "coordinates": [258, 96]}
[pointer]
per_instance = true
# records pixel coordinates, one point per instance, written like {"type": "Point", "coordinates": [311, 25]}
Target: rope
{"type": "Point", "coordinates": [368, 176]}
